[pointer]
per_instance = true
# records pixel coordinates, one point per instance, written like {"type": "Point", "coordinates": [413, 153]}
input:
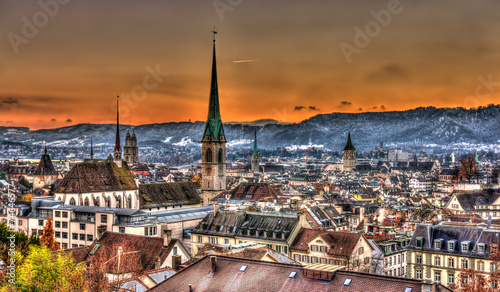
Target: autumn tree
{"type": "Point", "coordinates": [470, 280]}
{"type": "Point", "coordinates": [47, 237]}
{"type": "Point", "coordinates": [468, 167]}
{"type": "Point", "coordinates": [45, 270]}
{"type": "Point", "coordinates": [22, 242]}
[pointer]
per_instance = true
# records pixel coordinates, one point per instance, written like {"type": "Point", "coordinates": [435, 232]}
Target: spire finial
{"type": "Point", "coordinates": [45, 146]}
{"type": "Point", "coordinates": [91, 149]}
{"type": "Point", "coordinates": [214, 32]}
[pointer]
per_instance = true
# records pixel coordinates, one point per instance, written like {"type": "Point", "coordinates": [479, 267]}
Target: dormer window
{"type": "Point", "coordinates": [437, 244]}
{"type": "Point", "coordinates": [465, 246]}
{"type": "Point", "coordinates": [419, 241]}
{"type": "Point", "coordinates": [480, 248]}
{"type": "Point", "coordinates": [451, 245]}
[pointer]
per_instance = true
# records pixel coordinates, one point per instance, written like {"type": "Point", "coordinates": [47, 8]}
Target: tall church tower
{"type": "Point", "coordinates": [213, 144]}
{"type": "Point", "coordinates": [130, 150]}
{"type": "Point", "coordinates": [349, 159]}
{"type": "Point", "coordinates": [255, 154]}
{"type": "Point", "coordinates": [118, 148]}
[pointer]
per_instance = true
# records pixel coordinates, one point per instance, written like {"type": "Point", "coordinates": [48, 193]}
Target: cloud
{"type": "Point", "coordinates": [387, 73]}
{"type": "Point", "coordinates": [345, 102]}
{"type": "Point", "coordinates": [299, 108]}
{"type": "Point", "coordinates": [373, 108]}
{"type": "Point", "coordinates": [244, 61]}
{"type": "Point", "coordinates": [69, 121]}
{"type": "Point", "coordinates": [53, 120]}
{"type": "Point", "coordinates": [10, 100]}
{"type": "Point", "coordinates": [313, 108]}
{"type": "Point", "coordinates": [360, 109]}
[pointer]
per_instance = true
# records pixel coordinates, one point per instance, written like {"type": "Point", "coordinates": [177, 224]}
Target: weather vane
{"type": "Point", "coordinates": [214, 32]}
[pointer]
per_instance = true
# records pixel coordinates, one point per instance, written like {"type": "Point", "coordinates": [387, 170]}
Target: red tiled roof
{"type": "Point", "coordinates": [341, 243]}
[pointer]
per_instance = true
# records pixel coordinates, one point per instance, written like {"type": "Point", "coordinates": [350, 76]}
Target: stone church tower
{"type": "Point", "coordinates": [349, 159]}
{"type": "Point", "coordinates": [213, 144]}
{"type": "Point", "coordinates": [255, 154]}
{"type": "Point", "coordinates": [130, 150]}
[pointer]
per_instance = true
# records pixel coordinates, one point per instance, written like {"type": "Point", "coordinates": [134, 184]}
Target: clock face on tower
{"type": "Point", "coordinates": [209, 170]}
{"type": "Point", "coordinates": [221, 169]}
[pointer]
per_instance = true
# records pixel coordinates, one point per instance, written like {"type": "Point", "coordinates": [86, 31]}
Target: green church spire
{"type": "Point", "coordinates": [213, 127]}
{"type": "Point", "coordinates": [255, 150]}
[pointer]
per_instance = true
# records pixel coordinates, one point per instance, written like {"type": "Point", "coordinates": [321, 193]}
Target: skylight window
{"type": "Point", "coordinates": [347, 282]}
{"type": "Point", "coordinates": [243, 268]}
{"type": "Point", "coordinates": [292, 275]}
{"type": "Point", "coordinates": [408, 289]}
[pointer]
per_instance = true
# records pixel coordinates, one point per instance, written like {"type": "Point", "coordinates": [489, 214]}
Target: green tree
{"type": "Point", "coordinates": [2, 175]}
{"type": "Point", "coordinates": [46, 271]}
{"type": "Point", "coordinates": [21, 240]}
{"type": "Point", "coordinates": [25, 182]}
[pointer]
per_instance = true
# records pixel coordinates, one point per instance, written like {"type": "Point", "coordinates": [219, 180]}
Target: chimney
{"type": "Point", "coordinates": [167, 237]}
{"type": "Point", "coordinates": [303, 220]}
{"type": "Point", "coordinates": [191, 288]}
{"type": "Point", "coordinates": [216, 209]}
{"type": "Point", "coordinates": [176, 262]}
{"type": "Point", "coordinates": [213, 266]}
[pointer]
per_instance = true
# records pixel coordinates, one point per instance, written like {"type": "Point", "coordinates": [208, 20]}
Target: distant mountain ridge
{"type": "Point", "coordinates": [420, 126]}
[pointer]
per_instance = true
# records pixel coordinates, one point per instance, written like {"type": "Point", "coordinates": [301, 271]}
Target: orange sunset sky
{"type": "Point", "coordinates": [276, 59]}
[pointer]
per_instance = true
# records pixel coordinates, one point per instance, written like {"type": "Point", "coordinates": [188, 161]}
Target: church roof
{"type": "Point", "coordinates": [89, 177]}
{"type": "Point", "coordinates": [348, 145]}
{"type": "Point", "coordinates": [45, 166]}
{"type": "Point", "coordinates": [213, 127]}
{"type": "Point", "coordinates": [177, 193]}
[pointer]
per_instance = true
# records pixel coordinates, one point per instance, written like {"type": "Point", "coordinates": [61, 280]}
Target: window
{"type": "Point", "coordinates": [323, 249]}
{"type": "Point", "coordinates": [493, 267]}
{"type": "Point", "coordinates": [278, 248]}
{"type": "Point", "coordinates": [437, 261]}
{"type": "Point", "coordinates": [451, 245]}
{"type": "Point", "coordinates": [58, 213]}
{"type": "Point", "coordinates": [72, 201]}
{"type": "Point", "coordinates": [306, 259]}
{"type": "Point", "coordinates": [82, 226]}
{"type": "Point", "coordinates": [90, 237]}
{"type": "Point", "coordinates": [200, 239]}
{"type": "Point", "coordinates": [65, 235]}
{"type": "Point", "coordinates": [347, 282]}
{"type": "Point", "coordinates": [208, 155]}
{"type": "Point", "coordinates": [104, 218]}
{"type": "Point", "coordinates": [418, 274]}
{"type": "Point", "coordinates": [243, 268]}
{"type": "Point", "coordinates": [121, 230]}
{"type": "Point", "coordinates": [451, 278]}
{"type": "Point", "coordinates": [220, 156]}
{"type": "Point", "coordinates": [285, 249]}
{"type": "Point", "coordinates": [40, 222]}
{"type": "Point", "coordinates": [86, 202]}
{"type": "Point", "coordinates": [323, 260]}
{"type": "Point", "coordinates": [213, 240]}
{"type": "Point", "coordinates": [465, 264]}
{"type": "Point", "coordinates": [367, 260]}
{"type": "Point", "coordinates": [480, 248]}
{"type": "Point", "coordinates": [82, 236]}
{"type": "Point", "coordinates": [64, 224]}
{"type": "Point", "coordinates": [419, 241]}
{"type": "Point", "coordinates": [418, 259]}
{"type": "Point", "coordinates": [65, 214]}
{"type": "Point", "coordinates": [57, 224]}
{"type": "Point", "coordinates": [480, 266]}
{"type": "Point", "coordinates": [451, 263]}
{"type": "Point", "coordinates": [437, 277]}
{"type": "Point", "coordinates": [297, 258]}
{"type": "Point", "coordinates": [314, 260]}
{"type": "Point", "coordinates": [465, 246]}
{"type": "Point", "coordinates": [360, 250]}
{"type": "Point", "coordinates": [174, 250]}
{"type": "Point", "coordinates": [58, 234]}
{"type": "Point", "coordinates": [292, 274]}
{"type": "Point", "coordinates": [314, 247]}
{"type": "Point", "coordinates": [226, 240]}
{"type": "Point", "coordinates": [437, 244]}
{"type": "Point", "coordinates": [74, 235]}
{"type": "Point", "coordinates": [20, 223]}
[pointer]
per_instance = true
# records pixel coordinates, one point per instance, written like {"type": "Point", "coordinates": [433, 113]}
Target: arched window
{"type": "Point", "coordinates": [208, 155]}
{"type": "Point", "coordinates": [72, 201]}
{"type": "Point", "coordinates": [118, 202]}
{"type": "Point", "coordinates": [220, 155]}
{"type": "Point", "coordinates": [86, 202]}
{"type": "Point", "coordinates": [96, 202]}
{"type": "Point", "coordinates": [107, 202]}
{"type": "Point", "coordinates": [129, 202]}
